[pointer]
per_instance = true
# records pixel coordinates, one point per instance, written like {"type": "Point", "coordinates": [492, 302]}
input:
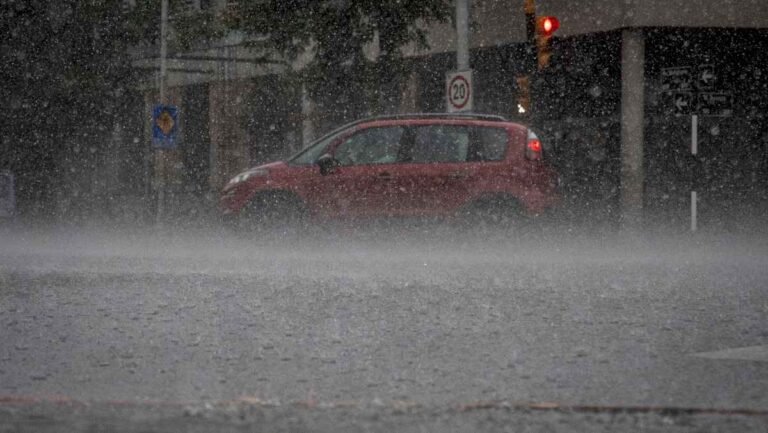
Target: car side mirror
{"type": "Point", "coordinates": [327, 164]}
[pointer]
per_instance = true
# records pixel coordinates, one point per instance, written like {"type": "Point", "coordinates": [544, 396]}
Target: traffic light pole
{"type": "Point", "coordinates": [525, 79]}
{"type": "Point", "coordinates": [530, 32]}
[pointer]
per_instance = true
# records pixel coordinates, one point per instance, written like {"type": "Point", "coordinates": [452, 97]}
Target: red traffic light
{"type": "Point", "coordinates": [548, 25]}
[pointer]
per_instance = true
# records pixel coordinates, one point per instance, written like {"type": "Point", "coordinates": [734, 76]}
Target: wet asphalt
{"type": "Point", "coordinates": [180, 331]}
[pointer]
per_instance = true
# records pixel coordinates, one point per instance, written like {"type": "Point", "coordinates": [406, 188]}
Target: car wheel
{"type": "Point", "coordinates": [278, 213]}
{"type": "Point", "coordinates": [498, 213]}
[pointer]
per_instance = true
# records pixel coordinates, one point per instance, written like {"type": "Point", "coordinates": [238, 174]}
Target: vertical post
{"type": "Point", "coordinates": [163, 47]}
{"type": "Point", "coordinates": [530, 25]}
{"type": "Point", "coordinates": [694, 212]}
{"type": "Point", "coordinates": [161, 168]}
{"type": "Point", "coordinates": [694, 151]}
{"type": "Point", "coordinates": [694, 135]}
{"type": "Point", "coordinates": [462, 35]}
{"type": "Point", "coordinates": [632, 134]}
{"type": "Point", "coordinates": [526, 77]}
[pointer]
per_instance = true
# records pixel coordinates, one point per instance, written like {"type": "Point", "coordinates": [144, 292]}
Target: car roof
{"type": "Point", "coordinates": [432, 118]}
{"type": "Point", "coordinates": [464, 116]}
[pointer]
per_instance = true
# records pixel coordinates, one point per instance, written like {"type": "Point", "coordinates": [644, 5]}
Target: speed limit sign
{"type": "Point", "coordinates": [458, 91]}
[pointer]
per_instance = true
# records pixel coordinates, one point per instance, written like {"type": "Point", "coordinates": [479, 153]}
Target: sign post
{"type": "Point", "coordinates": [458, 91]}
{"type": "Point", "coordinates": [459, 84]}
{"type": "Point", "coordinates": [163, 118]}
{"type": "Point", "coordinates": [694, 151]}
{"type": "Point", "coordinates": [696, 91]}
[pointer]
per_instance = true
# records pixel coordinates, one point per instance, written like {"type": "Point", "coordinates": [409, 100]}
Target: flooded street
{"type": "Point", "coordinates": [434, 323]}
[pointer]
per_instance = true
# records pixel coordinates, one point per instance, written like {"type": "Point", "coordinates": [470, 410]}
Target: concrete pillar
{"type": "Point", "coordinates": [632, 120]}
{"type": "Point", "coordinates": [230, 153]}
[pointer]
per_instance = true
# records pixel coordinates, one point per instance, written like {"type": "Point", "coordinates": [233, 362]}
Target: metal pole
{"type": "Point", "coordinates": [163, 47]}
{"type": "Point", "coordinates": [160, 161]}
{"type": "Point", "coordinates": [462, 34]}
{"type": "Point", "coordinates": [530, 22]}
{"type": "Point", "coordinates": [524, 81]}
{"type": "Point", "coordinates": [694, 212]}
{"type": "Point", "coordinates": [694, 152]}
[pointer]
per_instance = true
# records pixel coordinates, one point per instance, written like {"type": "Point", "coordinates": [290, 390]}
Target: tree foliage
{"type": "Point", "coordinates": [189, 28]}
{"type": "Point", "coordinates": [68, 70]}
{"type": "Point", "coordinates": [65, 69]}
{"type": "Point", "coordinates": [334, 33]}
{"type": "Point", "coordinates": [337, 30]}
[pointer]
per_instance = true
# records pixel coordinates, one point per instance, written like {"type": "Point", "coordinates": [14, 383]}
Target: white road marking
{"type": "Point", "coordinates": [753, 353]}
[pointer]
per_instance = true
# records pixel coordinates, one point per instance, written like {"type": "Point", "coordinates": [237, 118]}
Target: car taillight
{"type": "Point", "coordinates": [533, 149]}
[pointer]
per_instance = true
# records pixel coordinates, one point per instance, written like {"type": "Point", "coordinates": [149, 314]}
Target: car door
{"type": "Point", "coordinates": [449, 165]}
{"type": "Point", "coordinates": [434, 172]}
{"type": "Point", "coordinates": [360, 184]}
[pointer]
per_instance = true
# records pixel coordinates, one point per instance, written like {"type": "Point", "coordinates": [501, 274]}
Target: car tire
{"type": "Point", "coordinates": [493, 214]}
{"type": "Point", "coordinates": [275, 212]}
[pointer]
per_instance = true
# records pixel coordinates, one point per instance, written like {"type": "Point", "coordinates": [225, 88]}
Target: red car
{"type": "Point", "coordinates": [426, 165]}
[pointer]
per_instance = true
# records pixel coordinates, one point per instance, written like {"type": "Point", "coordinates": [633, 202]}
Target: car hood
{"type": "Point", "coordinates": [271, 167]}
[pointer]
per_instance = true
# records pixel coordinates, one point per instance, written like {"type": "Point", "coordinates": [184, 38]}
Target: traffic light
{"type": "Point", "coordinates": [545, 27]}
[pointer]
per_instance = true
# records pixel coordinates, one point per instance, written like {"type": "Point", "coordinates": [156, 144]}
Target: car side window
{"type": "Point", "coordinates": [488, 144]}
{"type": "Point", "coordinates": [379, 145]}
{"type": "Point", "coordinates": [440, 143]}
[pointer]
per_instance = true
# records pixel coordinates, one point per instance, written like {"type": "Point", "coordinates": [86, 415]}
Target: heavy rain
{"type": "Point", "coordinates": [357, 215]}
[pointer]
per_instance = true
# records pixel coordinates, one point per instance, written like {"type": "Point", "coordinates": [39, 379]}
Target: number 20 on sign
{"type": "Point", "coordinates": [459, 92]}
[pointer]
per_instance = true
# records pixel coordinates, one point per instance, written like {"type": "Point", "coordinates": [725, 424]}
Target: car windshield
{"type": "Point", "coordinates": [311, 153]}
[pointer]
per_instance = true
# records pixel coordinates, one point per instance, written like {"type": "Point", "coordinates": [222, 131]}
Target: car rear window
{"type": "Point", "coordinates": [450, 143]}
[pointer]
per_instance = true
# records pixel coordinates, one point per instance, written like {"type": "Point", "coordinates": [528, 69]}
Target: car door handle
{"type": "Point", "coordinates": [457, 175]}
{"type": "Point", "coordinates": [384, 176]}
